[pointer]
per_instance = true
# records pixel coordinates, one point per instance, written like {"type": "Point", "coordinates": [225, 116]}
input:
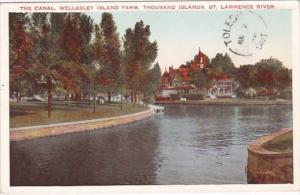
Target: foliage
{"type": "Point", "coordinates": [139, 54]}
{"type": "Point", "coordinates": [20, 47]}
{"type": "Point", "coordinates": [58, 53]}
{"type": "Point", "coordinates": [199, 78]}
{"type": "Point", "coordinates": [111, 62]}
{"type": "Point", "coordinates": [268, 73]}
{"type": "Point", "coordinates": [222, 64]}
{"type": "Point", "coordinates": [152, 80]}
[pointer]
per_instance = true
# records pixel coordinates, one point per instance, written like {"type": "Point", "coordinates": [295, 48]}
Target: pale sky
{"type": "Point", "coordinates": [180, 34]}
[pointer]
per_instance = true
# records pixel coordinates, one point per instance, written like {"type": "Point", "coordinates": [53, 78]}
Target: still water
{"type": "Point", "coordinates": [203, 144]}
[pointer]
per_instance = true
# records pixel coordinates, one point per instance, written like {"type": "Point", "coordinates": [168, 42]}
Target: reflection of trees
{"type": "Point", "coordinates": [120, 155]}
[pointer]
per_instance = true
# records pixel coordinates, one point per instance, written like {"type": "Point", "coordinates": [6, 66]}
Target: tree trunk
{"type": "Point", "coordinates": [108, 96]}
{"type": "Point", "coordinates": [18, 96]}
{"type": "Point", "coordinates": [94, 102]}
{"type": "Point", "coordinates": [121, 101]}
{"type": "Point", "coordinates": [49, 86]}
{"type": "Point", "coordinates": [134, 97]}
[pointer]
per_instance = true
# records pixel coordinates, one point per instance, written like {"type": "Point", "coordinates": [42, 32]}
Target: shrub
{"type": "Point", "coordinates": [193, 96]}
{"type": "Point", "coordinates": [174, 97]}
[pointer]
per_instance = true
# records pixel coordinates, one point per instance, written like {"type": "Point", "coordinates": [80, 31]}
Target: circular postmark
{"type": "Point", "coordinates": [244, 33]}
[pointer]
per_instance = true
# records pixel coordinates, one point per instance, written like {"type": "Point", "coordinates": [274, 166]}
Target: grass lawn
{"type": "Point", "coordinates": [282, 143]}
{"type": "Point", "coordinates": [35, 113]}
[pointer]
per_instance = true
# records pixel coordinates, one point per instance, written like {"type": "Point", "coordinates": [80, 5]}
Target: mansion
{"type": "Point", "coordinates": [178, 81]}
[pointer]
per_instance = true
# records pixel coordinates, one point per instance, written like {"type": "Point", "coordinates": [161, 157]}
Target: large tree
{"type": "Point", "coordinates": [139, 54]}
{"type": "Point", "coordinates": [20, 47]}
{"type": "Point", "coordinates": [110, 65]}
{"type": "Point", "coordinates": [270, 73]}
{"type": "Point", "coordinates": [55, 68]}
{"type": "Point", "coordinates": [245, 75]}
{"type": "Point", "coordinates": [221, 64]}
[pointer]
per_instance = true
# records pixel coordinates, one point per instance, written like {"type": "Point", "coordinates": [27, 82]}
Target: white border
{"type": "Point", "coordinates": [4, 124]}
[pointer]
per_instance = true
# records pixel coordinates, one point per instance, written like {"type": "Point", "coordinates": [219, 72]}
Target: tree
{"type": "Point", "coordinates": [272, 74]}
{"type": "Point", "coordinates": [139, 54]}
{"type": "Point", "coordinates": [268, 73]}
{"type": "Point", "coordinates": [97, 53]}
{"type": "Point", "coordinates": [54, 68]}
{"type": "Point", "coordinates": [112, 56]}
{"type": "Point", "coordinates": [20, 47]}
{"type": "Point", "coordinates": [152, 80]}
{"type": "Point", "coordinates": [284, 78]}
{"type": "Point", "coordinates": [155, 77]}
{"type": "Point", "coordinates": [245, 75]}
{"type": "Point", "coordinates": [222, 64]}
{"type": "Point", "coordinates": [199, 78]}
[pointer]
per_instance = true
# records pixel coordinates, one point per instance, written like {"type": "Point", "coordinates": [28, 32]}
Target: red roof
{"type": "Point", "coordinates": [222, 76]}
{"type": "Point", "coordinates": [168, 76]}
{"type": "Point", "coordinates": [186, 87]}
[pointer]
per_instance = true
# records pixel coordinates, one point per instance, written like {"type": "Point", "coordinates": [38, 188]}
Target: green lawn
{"type": "Point", "coordinates": [282, 143]}
{"type": "Point", "coordinates": [35, 113]}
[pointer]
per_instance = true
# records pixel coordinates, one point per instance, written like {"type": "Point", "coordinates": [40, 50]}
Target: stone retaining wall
{"type": "Point", "coordinates": [228, 102]}
{"type": "Point", "coordinates": [23, 133]}
{"type": "Point", "coordinates": [269, 167]}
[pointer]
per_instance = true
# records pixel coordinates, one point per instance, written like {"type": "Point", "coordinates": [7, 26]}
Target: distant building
{"type": "Point", "coordinates": [250, 92]}
{"type": "Point", "coordinates": [222, 86]}
{"type": "Point", "coordinates": [177, 81]}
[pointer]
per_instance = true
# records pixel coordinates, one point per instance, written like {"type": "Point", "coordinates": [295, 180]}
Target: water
{"type": "Point", "coordinates": [203, 144]}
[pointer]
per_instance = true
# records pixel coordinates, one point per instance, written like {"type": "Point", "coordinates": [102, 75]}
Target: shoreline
{"type": "Point", "coordinates": [227, 102]}
{"type": "Point", "coordinates": [38, 131]}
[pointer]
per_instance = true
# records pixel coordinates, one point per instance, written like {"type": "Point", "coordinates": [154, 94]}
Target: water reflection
{"type": "Point", "coordinates": [123, 155]}
{"type": "Point", "coordinates": [186, 145]}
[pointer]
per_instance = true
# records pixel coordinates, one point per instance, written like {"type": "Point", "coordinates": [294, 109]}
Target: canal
{"type": "Point", "coordinates": [188, 144]}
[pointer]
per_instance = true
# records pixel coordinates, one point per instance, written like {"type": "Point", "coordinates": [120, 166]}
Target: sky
{"type": "Point", "coordinates": [180, 34]}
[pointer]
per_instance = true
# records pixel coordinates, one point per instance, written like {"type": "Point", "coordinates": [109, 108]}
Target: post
{"type": "Point", "coordinates": [69, 101]}
{"type": "Point", "coordinates": [49, 86]}
{"type": "Point", "coordinates": [94, 97]}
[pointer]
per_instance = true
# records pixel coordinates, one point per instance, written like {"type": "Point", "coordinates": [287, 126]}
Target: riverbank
{"type": "Point", "coordinates": [31, 132]}
{"type": "Point", "coordinates": [24, 114]}
{"type": "Point", "coordinates": [229, 101]}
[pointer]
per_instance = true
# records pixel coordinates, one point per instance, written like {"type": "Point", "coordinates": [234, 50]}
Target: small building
{"type": "Point", "coordinates": [250, 92]}
{"type": "Point", "coordinates": [222, 86]}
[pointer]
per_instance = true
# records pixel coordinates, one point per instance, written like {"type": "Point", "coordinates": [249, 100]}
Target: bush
{"type": "Point", "coordinates": [285, 95]}
{"type": "Point", "coordinates": [174, 97]}
{"type": "Point", "coordinates": [272, 98]}
{"type": "Point", "coordinates": [148, 99]}
{"type": "Point", "coordinates": [193, 96]}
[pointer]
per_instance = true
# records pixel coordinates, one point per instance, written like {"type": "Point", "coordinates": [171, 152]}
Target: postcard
{"type": "Point", "coordinates": [185, 96]}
